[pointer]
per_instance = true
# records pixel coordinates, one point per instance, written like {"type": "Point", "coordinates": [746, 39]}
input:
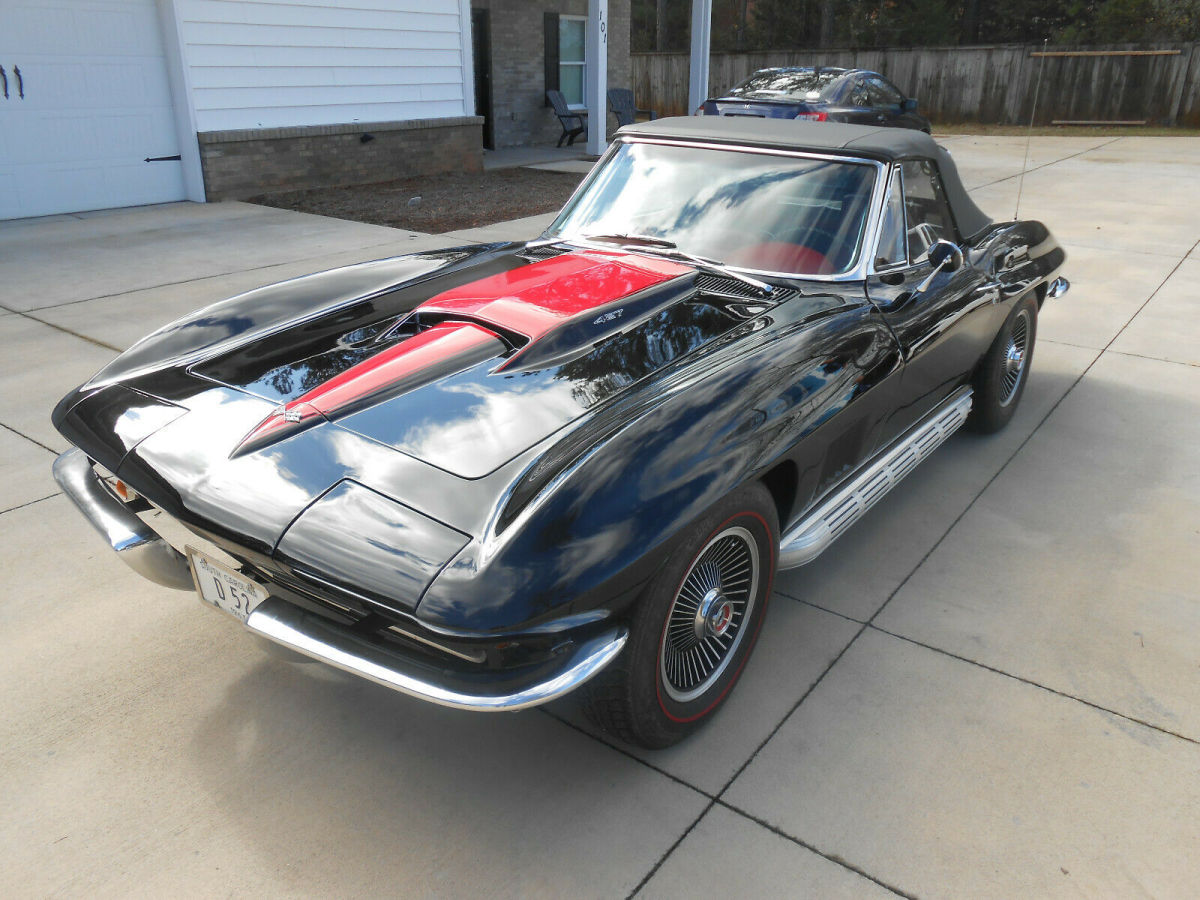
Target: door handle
{"type": "Point", "coordinates": [20, 82]}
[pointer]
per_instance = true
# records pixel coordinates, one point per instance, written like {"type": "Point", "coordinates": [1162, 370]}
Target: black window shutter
{"type": "Point", "coordinates": [551, 33]}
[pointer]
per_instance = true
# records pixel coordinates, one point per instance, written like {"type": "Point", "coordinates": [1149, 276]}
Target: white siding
{"type": "Point", "coordinates": [279, 63]}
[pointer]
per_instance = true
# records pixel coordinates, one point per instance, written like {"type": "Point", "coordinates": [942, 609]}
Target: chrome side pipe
{"type": "Point", "coordinates": [812, 535]}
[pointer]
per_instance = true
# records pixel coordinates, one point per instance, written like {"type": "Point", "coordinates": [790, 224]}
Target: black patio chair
{"type": "Point", "coordinates": [571, 121]}
{"type": "Point", "coordinates": [622, 103]}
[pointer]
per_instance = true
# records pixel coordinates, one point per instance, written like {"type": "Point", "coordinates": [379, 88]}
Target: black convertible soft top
{"type": "Point", "coordinates": [882, 144]}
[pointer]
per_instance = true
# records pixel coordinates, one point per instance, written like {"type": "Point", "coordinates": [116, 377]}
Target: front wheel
{"type": "Point", "coordinates": [1000, 379]}
{"type": "Point", "coordinates": [694, 627]}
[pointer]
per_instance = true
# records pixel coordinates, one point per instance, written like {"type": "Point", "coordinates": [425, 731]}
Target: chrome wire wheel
{"type": "Point", "coordinates": [705, 624]}
{"type": "Point", "coordinates": [1015, 355]}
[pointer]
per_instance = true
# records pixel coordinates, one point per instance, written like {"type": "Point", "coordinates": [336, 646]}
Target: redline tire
{"type": "Point", "coordinates": [694, 627]}
{"type": "Point", "coordinates": [1004, 370]}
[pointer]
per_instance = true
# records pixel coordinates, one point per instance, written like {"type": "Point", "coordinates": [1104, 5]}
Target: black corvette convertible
{"type": "Point", "coordinates": [491, 475]}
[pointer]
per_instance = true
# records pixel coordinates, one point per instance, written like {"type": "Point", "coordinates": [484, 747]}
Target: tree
{"type": "Point", "coordinates": [811, 24]}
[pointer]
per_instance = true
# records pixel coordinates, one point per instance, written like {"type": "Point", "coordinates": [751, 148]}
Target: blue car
{"type": "Point", "coordinates": [819, 94]}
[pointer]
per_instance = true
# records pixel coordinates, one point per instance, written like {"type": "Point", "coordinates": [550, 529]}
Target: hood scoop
{"type": "Point", "coordinates": [436, 352]}
{"type": "Point", "coordinates": [477, 373]}
{"type": "Point", "coordinates": [532, 301]}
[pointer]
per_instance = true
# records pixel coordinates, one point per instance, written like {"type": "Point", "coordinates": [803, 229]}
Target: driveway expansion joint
{"type": "Point", "coordinates": [63, 329]}
{"type": "Point", "coordinates": [28, 438]}
{"type": "Point", "coordinates": [182, 281]}
{"type": "Point", "coordinates": [662, 859]}
{"type": "Point", "coordinates": [30, 503]}
{"type": "Point", "coordinates": [1053, 162]}
{"type": "Point", "coordinates": [612, 745]}
{"type": "Point", "coordinates": [832, 857]}
{"type": "Point", "coordinates": [1036, 684]}
{"type": "Point", "coordinates": [993, 669]}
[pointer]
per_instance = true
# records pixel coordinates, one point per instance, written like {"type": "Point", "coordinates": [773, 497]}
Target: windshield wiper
{"type": "Point", "coordinates": [641, 240]}
{"type": "Point", "coordinates": [713, 265]}
{"type": "Point", "coordinates": [660, 247]}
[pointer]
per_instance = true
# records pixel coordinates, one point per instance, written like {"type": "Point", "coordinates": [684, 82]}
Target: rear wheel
{"type": "Point", "coordinates": [694, 627]}
{"type": "Point", "coordinates": [1000, 379]}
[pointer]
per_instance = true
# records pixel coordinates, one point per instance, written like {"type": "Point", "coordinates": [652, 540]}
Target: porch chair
{"type": "Point", "coordinates": [571, 121]}
{"type": "Point", "coordinates": [622, 103]}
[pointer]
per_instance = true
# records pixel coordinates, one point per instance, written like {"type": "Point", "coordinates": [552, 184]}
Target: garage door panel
{"type": "Point", "coordinates": [78, 27]}
{"type": "Point", "coordinates": [116, 138]}
{"type": "Point", "coordinates": [85, 187]}
{"type": "Point", "coordinates": [97, 103]}
{"type": "Point", "coordinates": [8, 196]}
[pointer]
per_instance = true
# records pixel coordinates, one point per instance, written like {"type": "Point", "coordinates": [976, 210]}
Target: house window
{"type": "Point", "coordinates": [570, 58]}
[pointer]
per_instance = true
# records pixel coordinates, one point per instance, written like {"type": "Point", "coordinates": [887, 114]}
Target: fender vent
{"type": "Point", "coordinates": [546, 252]}
{"type": "Point", "coordinates": [730, 287]}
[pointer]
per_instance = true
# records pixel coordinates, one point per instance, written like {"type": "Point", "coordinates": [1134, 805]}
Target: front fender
{"type": "Point", "coordinates": [601, 529]}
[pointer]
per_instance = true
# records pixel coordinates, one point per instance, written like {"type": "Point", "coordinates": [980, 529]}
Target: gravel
{"type": "Point", "coordinates": [437, 203]}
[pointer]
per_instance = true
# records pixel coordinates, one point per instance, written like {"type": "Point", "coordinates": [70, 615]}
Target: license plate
{"type": "Point", "coordinates": [224, 588]}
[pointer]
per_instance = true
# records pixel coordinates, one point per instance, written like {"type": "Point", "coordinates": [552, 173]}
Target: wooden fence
{"type": "Point", "coordinates": [992, 84]}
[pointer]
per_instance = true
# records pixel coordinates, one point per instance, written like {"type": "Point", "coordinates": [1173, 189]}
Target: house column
{"type": "Point", "coordinates": [595, 79]}
{"type": "Point", "coordinates": [701, 43]}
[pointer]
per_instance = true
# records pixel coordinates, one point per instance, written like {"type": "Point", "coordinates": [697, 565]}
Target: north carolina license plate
{"type": "Point", "coordinates": [224, 588]}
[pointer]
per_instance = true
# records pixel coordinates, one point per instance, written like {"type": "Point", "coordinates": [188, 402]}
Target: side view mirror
{"type": "Point", "coordinates": [945, 256]}
{"type": "Point", "coordinates": [909, 104]}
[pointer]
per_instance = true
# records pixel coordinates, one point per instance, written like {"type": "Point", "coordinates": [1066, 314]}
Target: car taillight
{"type": "Point", "coordinates": [813, 117]}
{"type": "Point", "coordinates": [699, 110]}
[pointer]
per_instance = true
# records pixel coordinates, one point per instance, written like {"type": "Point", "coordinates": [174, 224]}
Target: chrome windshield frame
{"type": "Point", "coordinates": [862, 263]}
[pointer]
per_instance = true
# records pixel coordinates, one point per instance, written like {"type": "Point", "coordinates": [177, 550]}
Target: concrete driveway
{"type": "Point", "coordinates": [989, 687]}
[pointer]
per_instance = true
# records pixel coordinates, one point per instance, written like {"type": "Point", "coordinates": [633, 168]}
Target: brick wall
{"type": "Point", "coordinates": [521, 116]}
{"type": "Point", "coordinates": [240, 164]}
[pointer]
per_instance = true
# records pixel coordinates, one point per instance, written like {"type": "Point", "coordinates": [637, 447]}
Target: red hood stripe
{"type": "Point", "coordinates": [537, 298]}
{"type": "Point", "coordinates": [531, 300]}
{"type": "Point", "coordinates": [447, 346]}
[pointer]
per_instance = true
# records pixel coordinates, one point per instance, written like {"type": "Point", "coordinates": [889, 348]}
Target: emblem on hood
{"type": "Point", "coordinates": [609, 316]}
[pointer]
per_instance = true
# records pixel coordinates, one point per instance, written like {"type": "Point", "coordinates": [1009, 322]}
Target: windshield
{"type": "Point", "coordinates": [801, 84]}
{"type": "Point", "coordinates": [756, 211]}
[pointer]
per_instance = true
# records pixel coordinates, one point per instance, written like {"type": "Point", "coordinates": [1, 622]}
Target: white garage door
{"type": "Point", "coordinates": [87, 103]}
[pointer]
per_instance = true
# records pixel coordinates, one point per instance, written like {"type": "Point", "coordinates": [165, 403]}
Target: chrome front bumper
{"type": "Point", "coordinates": [330, 643]}
{"type": "Point", "coordinates": [136, 543]}
{"type": "Point", "coordinates": [148, 554]}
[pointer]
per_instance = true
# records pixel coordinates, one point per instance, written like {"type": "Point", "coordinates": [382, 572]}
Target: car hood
{"type": "Point", "coordinates": [412, 377]}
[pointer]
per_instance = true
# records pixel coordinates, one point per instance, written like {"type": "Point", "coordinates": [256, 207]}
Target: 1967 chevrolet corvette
{"type": "Point", "coordinates": [491, 475]}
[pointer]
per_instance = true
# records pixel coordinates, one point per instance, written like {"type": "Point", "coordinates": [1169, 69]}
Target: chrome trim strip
{"type": "Point", "coordinates": [1058, 287]}
{"type": "Point", "coordinates": [813, 534]}
{"type": "Point", "coordinates": [137, 544]}
{"type": "Point", "coordinates": [330, 643]}
{"type": "Point", "coordinates": [477, 656]}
